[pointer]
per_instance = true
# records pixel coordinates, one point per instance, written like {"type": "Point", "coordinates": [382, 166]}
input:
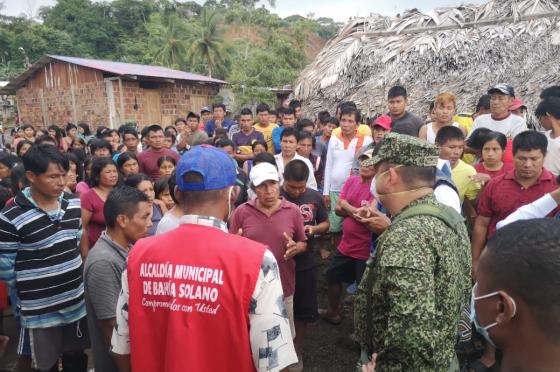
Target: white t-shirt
{"type": "Point", "coordinates": [167, 223]}
{"type": "Point", "coordinates": [552, 158]}
{"type": "Point", "coordinates": [311, 181]}
{"type": "Point", "coordinates": [510, 126]}
{"type": "Point", "coordinates": [339, 162]}
{"type": "Point", "coordinates": [431, 135]}
{"type": "Point", "coordinates": [540, 208]}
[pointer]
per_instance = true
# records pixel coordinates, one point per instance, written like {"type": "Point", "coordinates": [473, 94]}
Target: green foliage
{"type": "Point", "coordinates": [263, 52]}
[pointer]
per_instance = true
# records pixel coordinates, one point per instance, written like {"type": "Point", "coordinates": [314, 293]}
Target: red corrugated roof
{"type": "Point", "coordinates": [121, 68]}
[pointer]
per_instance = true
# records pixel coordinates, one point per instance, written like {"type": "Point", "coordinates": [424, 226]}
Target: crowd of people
{"type": "Point", "coordinates": [139, 244]}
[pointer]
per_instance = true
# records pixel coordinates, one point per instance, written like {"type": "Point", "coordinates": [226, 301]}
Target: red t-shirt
{"type": "Point", "coordinates": [356, 238]}
{"type": "Point", "coordinates": [93, 203]}
{"type": "Point", "coordinates": [270, 231]}
{"type": "Point", "coordinates": [147, 160]}
{"type": "Point", "coordinates": [503, 195]}
{"type": "Point", "coordinates": [506, 167]}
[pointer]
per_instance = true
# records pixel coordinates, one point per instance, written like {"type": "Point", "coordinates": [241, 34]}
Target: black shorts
{"type": "Point", "coordinates": [345, 269]}
{"type": "Point", "coordinates": [305, 296]}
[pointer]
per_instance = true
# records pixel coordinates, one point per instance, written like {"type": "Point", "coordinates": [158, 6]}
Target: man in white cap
{"type": "Point", "coordinates": [274, 222]}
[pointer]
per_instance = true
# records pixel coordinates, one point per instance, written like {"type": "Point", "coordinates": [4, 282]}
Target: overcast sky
{"type": "Point", "coordinates": [336, 9]}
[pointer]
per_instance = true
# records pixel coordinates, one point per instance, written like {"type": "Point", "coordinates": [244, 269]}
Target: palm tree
{"type": "Point", "coordinates": [168, 40]}
{"type": "Point", "coordinates": [207, 44]}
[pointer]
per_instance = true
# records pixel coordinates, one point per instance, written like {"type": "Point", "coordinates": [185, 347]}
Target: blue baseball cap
{"type": "Point", "coordinates": [213, 164]}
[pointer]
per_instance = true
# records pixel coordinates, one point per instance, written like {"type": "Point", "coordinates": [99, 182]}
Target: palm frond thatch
{"type": "Point", "coordinates": [463, 50]}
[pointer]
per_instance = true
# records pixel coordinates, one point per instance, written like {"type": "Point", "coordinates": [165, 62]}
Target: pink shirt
{"type": "Point", "coordinates": [270, 231]}
{"type": "Point", "coordinates": [93, 203]}
{"type": "Point", "coordinates": [356, 238]}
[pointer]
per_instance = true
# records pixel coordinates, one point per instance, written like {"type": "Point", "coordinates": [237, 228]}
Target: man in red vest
{"type": "Point", "coordinates": [197, 298]}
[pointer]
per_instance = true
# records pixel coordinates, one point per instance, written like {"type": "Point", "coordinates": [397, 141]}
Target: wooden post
{"type": "Point", "coordinates": [121, 99]}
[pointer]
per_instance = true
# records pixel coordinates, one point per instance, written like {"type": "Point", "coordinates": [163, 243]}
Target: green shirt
{"type": "Point", "coordinates": [412, 294]}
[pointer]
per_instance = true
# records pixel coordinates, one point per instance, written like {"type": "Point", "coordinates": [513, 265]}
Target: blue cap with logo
{"type": "Point", "coordinates": [213, 164]}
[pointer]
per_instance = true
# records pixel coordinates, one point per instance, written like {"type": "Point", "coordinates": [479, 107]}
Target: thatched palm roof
{"type": "Point", "coordinates": [463, 50]}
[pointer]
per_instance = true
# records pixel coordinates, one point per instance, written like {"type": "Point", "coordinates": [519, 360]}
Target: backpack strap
{"type": "Point", "coordinates": [444, 213]}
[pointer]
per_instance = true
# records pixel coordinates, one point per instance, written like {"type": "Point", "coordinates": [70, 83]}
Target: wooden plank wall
{"type": "Point", "coordinates": [59, 74]}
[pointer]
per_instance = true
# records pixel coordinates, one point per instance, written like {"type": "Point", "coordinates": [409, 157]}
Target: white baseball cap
{"type": "Point", "coordinates": [263, 172]}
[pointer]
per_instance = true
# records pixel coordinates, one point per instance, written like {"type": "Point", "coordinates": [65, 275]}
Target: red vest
{"type": "Point", "coordinates": [190, 291]}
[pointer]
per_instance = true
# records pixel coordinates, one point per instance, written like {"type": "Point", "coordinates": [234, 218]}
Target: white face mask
{"type": "Point", "coordinates": [373, 188]}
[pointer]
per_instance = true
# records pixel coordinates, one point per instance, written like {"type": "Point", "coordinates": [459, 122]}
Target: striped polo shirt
{"type": "Point", "coordinates": [40, 259]}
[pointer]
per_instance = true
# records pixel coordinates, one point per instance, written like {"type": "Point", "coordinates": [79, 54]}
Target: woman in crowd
{"type": "Point", "coordinates": [100, 148]}
{"type": "Point", "coordinates": [71, 134]}
{"type": "Point", "coordinates": [104, 178]}
{"type": "Point", "coordinates": [7, 163]}
{"type": "Point", "coordinates": [258, 147]}
{"type": "Point", "coordinates": [28, 132]}
{"type": "Point", "coordinates": [22, 147]}
{"type": "Point", "coordinates": [162, 192]}
{"type": "Point", "coordinates": [127, 165]}
{"type": "Point", "coordinates": [84, 132]}
{"type": "Point", "coordinates": [492, 164]}
{"type": "Point", "coordinates": [56, 133]}
{"type": "Point", "coordinates": [166, 165]}
{"type": "Point", "coordinates": [85, 185]}
{"type": "Point", "coordinates": [73, 174]}
{"type": "Point", "coordinates": [143, 183]}
{"type": "Point", "coordinates": [171, 219]}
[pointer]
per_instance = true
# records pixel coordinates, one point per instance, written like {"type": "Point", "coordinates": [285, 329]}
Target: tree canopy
{"type": "Point", "coordinates": [249, 46]}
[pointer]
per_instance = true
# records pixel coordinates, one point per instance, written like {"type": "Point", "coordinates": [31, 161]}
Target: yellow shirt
{"type": "Point", "coordinates": [267, 134]}
{"type": "Point", "coordinates": [363, 130]}
{"type": "Point", "coordinates": [461, 177]}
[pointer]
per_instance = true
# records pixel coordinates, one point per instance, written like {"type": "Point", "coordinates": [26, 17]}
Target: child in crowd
{"type": "Point", "coordinates": [143, 183]}
{"type": "Point", "coordinates": [162, 192]}
{"type": "Point", "coordinates": [166, 165]}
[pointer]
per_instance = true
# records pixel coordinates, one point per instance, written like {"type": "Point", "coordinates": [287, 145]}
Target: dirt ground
{"type": "Point", "coordinates": [326, 347]}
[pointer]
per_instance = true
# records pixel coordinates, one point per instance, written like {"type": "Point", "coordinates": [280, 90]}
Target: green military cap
{"type": "Point", "coordinates": [404, 150]}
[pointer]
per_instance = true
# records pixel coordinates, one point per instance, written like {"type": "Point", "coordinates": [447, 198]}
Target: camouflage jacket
{"type": "Point", "coordinates": [412, 293]}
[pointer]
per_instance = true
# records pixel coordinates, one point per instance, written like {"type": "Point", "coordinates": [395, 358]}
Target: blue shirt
{"type": "Point", "coordinates": [210, 126]}
{"type": "Point", "coordinates": [276, 133]}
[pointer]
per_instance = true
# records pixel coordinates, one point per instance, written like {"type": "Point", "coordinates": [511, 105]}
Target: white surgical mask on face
{"type": "Point", "coordinates": [373, 188]}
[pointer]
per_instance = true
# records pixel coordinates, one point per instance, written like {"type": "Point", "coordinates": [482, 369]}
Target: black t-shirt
{"type": "Point", "coordinates": [314, 211]}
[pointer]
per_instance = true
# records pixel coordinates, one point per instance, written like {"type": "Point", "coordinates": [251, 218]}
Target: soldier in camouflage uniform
{"type": "Point", "coordinates": [410, 298]}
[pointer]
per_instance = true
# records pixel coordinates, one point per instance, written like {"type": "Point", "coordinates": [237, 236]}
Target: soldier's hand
{"type": "Point", "coordinates": [377, 222]}
{"type": "Point", "coordinates": [370, 367]}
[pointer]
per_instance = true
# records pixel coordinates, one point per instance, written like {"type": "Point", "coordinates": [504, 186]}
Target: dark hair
{"type": "Point", "coordinates": [45, 139]}
{"type": "Point", "coordinates": [170, 135]}
{"type": "Point", "coordinates": [289, 111]}
{"type": "Point", "coordinates": [346, 104]}
{"type": "Point", "coordinates": [99, 163]}
{"type": "Point", "coordinates": [246, 111]}
{"type": "Point", "coordinates": [87, 162]}
{"type": "Point", "coordinates": [123, 158]}
{"type": "Point", "coordinates": [165, 158]}
{"type": "Point", "coordinates": [5, 195]}
{"type": "Point", "coordinates": [9, 160]}
{"type": "Point", "coordinates": [70, 126]}
{"type": "Point", "coordinates": [294, 104]}
{"type": "Point", "coordinates": [38, 158]}
{"type": "Point", "coordinates": [192, 199]}
{"type": "Point", "coordinates": [523, 258]}
{"type": "Point", "coordinates": [25, 126]}
{"type": "Point", "coordinates": [218, 105]}
{"type": "Point", "coordinates": [225, 142]}
{"type": "Point", "coordinates": [296, 170]}
{"type": "Point", "coordinates": [350, 111]}
{"type": "Point", "coordinates": [136, 179]}
{"type": "Point", "coordinates": [323, 116]}
{"type": "Point", "coordinates": [449, 133]}
{"type": "Point", "coordinates": [193, 115]}
{"type": "Point", "coordinates": [109, 133]}
{"type": "Point", "coordinates": [85, 127]}
{"type": "Point", "coordinates": [131, 131]}
{"type": "Point", "coordinates": [170, 128]}
{"type": "Point", "coordinates": [99, 143]}
{"type": "Point", "coordinates": [57, 131]}
{"type": "Point", "coordinates": [553, 91]}
{"type": "Point", "coordinates": [154, 128]}
{"type": "Point", "coordinates": [264, 157]}
{"type": "Point", "coordinates": [477, 137]}
{"type": "Point", "coordinates": [160, 185]}
{"type": "Point", "coordinates": [549, 105]}
{"type": "Point", "coordinates": [20, 145]}
{"type": "Point", "coordinates": [259, 142]}
{"type": "Point", "coordinates": [171, 183]}
{"type": "Point", "coordinates": [306, 135]}
{"type": "Point", "coordinates": [530, 140]}
{"type": "Point", "coordinates": [74, 159]}
{"type": "Point", "coordinates": [397, 91]}
{"type": "Point", "coordinates": [262, 107]}
{"type": "Point", "coordinates": [333, 120]}
{"type": "Point", "coordinates": [305, 123]}
{"type": "Point", "coordinates": [144, 132]}
{"type": "Point", "coordinates": [418, 176]}
{"type": "Point", "coordinates": [16, 177]}
{"type": "Point", "coordinates": [280, 110]}
{"type": "Point", "coordinates": [273, 112]}
{"type": "Point", "coordinates": [496, 136]}
{"type": "Point", "coordinates": [100, 131]}
{"type": "Point", "coordinates": [180, 120]}
{"type": "Point", "coordinates": [288, 132]}
{"type": "Point", "coordinates": [483, 102]}
{"type": "Point", "coordinates": [122, 200]}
